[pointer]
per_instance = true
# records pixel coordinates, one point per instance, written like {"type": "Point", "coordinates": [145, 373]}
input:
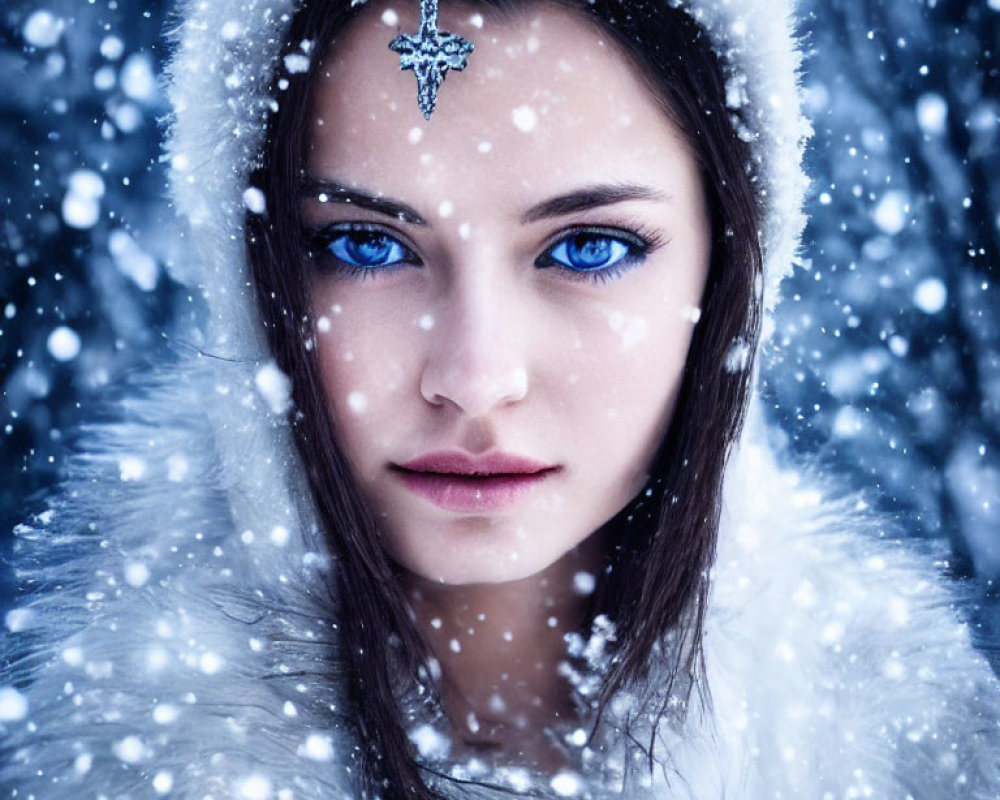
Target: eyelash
{"type": "Point", "coordinates": [322, 239]}
{"type": "Point", "coordinates": [640, 241]}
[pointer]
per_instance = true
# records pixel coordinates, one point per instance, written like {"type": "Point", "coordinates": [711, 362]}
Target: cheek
{"type": "Point", "coordinates": [366, 366]}
{"type": "Point", "coordinates": [626, 389]}
{"type": "Point", "coordinates": [629, 358]}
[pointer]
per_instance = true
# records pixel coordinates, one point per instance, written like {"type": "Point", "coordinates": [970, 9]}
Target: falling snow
{"type": "Point", "coordinates": [43, 29]}
{"type": "Point", "coordinates": [136, 574]}
{"type": "Point", "coordinates": [112, 48]}
{"type": "Point", "coordinates": [318, 747]}
{"type": "Point", "coordinates": [930, 295]}
{"type": "Point", "coordinates": [131, 749]}
{"type": "Point", "coordinates": [296, 63]}
{"type": "Point", "coordinates": [274, 387]}
{"type": "Point", "coordinates": [932, 113]}
{"type": "Point", "coordinates": [566, 784]}
{"type": "Point", "coordinates": [64, 344]}
{"type": "Point", "coordinates": [13, 704]}
{"type": "Point", "coordinates": [430, 743]}
{"type": "Point", "coordinates": [165, 714]}
{"type": "Point", "coordinates": [81, 207]}
{"type": "Point", "coordinates": [357, 402]}
{"type": "Point", "coordinates": [883, 357]}
{"type": "Point", "coordinates": [254, 200]}
{"type": "Point", "coordinates": [163, 782]}
{"type": "Point", "coordinates": [254, 787]}
{"type": "Point", "coordinates": [891, 212]}
{"type": "Point", "coordinates": [525, 118]}
{"type": "Point", "coordinates": [584, 583]}
{"type": "Point", "coordinates": [137, 79]}
{"type": "Point", "coordinates": [132, 260]}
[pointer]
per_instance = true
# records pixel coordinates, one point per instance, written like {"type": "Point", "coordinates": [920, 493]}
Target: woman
{"type": "Point", "coordinates": [440, 511]}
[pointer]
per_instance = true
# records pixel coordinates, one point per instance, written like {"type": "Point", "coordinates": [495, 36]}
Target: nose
{"type": "Point", "coordinates": [476, 360]}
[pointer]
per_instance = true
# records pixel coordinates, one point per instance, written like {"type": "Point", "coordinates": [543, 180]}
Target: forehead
{"type": "Point", "coordinates": [545, 95]}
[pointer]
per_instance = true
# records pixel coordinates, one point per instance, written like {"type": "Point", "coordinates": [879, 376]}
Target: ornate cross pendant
{"type": "Point", "coordinates": [430, 54]}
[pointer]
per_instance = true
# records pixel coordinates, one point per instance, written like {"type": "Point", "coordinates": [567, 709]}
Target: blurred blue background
{"type": "Point", "coordinates": [885, 364]}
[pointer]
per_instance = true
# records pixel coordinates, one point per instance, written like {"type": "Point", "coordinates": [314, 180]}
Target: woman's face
{"type": "Point", "coordinates": [508, 289]}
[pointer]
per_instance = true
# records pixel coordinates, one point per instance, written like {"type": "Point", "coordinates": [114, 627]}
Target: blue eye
{"type": "Point", "coordinates": [595, 251]}
{"type": "Point", "coordinates": [362, 248]}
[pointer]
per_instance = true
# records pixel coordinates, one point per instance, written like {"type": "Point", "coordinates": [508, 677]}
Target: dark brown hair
{"type": "Point", "coordinates": [655, 586]}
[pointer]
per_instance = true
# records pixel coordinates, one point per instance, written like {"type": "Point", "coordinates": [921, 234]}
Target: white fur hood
{"type": "Point", "coordinates": [178, 637]}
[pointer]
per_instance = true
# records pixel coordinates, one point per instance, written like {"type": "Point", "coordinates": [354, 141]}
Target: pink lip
{"type": "Point", "coordinates": [457, 481]}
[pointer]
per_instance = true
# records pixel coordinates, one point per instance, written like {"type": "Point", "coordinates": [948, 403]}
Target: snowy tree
{"type": "Point", "coordinates": [886, 357]}
{"type": "Point", "coordinates": [85, 230]}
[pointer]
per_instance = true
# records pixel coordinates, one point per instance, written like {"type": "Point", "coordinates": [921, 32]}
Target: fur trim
{"type": "Point", "coordinates": [757, 40]}
{"type": "Point", "coordinates": [165, 643]}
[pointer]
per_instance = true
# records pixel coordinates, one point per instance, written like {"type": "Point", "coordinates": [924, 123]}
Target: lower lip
{"type": "Point", "coordinates": [454, 493]}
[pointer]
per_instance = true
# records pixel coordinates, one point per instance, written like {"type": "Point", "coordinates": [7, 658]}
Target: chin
{"type": "Point", "coordinates": [468, 571]}
{"type": "Point", "coordinates": [486, 574]}
{"type": "Point", "coordinates": [483, 552]}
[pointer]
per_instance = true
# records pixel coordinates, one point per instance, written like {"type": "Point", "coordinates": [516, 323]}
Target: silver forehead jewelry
{"type": "Point", "coordinates": [430, 54]}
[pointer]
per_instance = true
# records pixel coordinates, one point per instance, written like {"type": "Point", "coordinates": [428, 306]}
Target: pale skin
{"type": "Point", "coordinates": [476, 335]}
{"type": "Point", "coordinates": [502, 689]}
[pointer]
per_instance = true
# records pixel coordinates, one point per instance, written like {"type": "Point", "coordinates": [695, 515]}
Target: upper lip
{"type": "Point", "coordinates": [457, 462]}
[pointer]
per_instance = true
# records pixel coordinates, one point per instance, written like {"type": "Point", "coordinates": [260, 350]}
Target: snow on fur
{"type": "Point", "coordinates": [757, 40]}
{"type": "Point", "coordinates": [853, 674]}
{"type": "Point", "coordinates": [835, 659]}
{"type": "Point", "coordinates": [211, 670]}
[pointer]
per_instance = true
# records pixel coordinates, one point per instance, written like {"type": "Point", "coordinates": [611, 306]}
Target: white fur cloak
{"type": "Point", "coordinates": [179, 637]}
{"type": "Point", "coordinates": [169, 650]}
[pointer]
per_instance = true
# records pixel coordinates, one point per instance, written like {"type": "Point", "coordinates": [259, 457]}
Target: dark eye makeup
{"type": "Point", "coordinates": [364, 250]}
{"type": "Point", "coordinates": [596, 253]}
{"type": "Point", "coordinates": [359, 250]}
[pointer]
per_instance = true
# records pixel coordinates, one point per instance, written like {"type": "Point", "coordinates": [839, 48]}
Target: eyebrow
{"type": "Point", "coordinates": [590, 197]}
{"type": "Point", "coordinates": [572, 202]}
{"type": "Point", "coordinates": [332, 192]}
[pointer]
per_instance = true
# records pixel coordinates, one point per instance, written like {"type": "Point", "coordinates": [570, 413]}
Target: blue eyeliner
{"type": "Point", "coordinates": [360, 250]}
{"type": "Point", "coordinates": [595, 253]}
{"type": "Point", "coordinates": [363, 250]}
